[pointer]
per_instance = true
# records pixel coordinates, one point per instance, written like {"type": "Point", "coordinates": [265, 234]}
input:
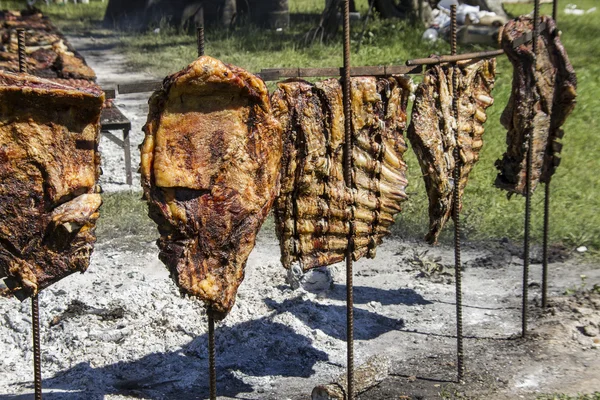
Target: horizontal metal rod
{"type": "Point", "coordinates": [274, 74]}
{"type": "Point", "coordinates": [452, 58]}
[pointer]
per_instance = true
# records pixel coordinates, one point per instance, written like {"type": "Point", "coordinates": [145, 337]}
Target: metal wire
{"type": "Point", "coordinates": [456, 206]}
{"type": "Point", "coordinates": [348, 181]}
{"type": "Point", "coordinates": [212, 370]}
{"type": "Point", "coordinates": [21, 50]}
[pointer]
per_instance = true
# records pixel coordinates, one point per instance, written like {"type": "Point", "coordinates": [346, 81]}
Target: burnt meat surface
{"type": "Point", "coordinates": [210, 162]}
{"type": "Point", "coordinates": [433, 128]}
{"type": "Point", "coordinates": [315, 207]}
{"type": "Point", "coordinates": [539, 104]}
{"type": "Point", "coordinates": [49, 165]}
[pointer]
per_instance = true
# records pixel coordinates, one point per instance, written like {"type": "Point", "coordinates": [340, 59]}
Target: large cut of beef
{"type": "Point", "coordinates": [315, 207]}
{"type": "Point", "coordinates": [210, 163]}
{"type": "Point", "coordinates": [432, 131]}
{"type": "Point", "coordinates": [540, 101]}
{"type": "Point", "coordinates": [48, 53]}
{"type": "Point", "coordinates": [49, 165]}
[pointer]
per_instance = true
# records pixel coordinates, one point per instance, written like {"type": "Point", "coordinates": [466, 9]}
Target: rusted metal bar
{"type": "Point", "coordinates": [212, 370]}
{"type": "Point", "coordinates": [35, 305]}
{"type": "Point", "coordinates": [456, 206]}
{"type": "Point", "coordinates": [21, 50]}
{"type": "Point", "coordinates": [454, 57]}
{"type": "Point", "coordinates": [348, 180]}
{"type": "Point", "coordinates": [554, 10]}
{"type": "Point", "coordinates": [545, 245]}
{"type": "Point", "coordinates": [200, 40]}
{"type": "Point", "coordinates": [139, 87]}
{"type": "Point", "coordinates": [528, 194]}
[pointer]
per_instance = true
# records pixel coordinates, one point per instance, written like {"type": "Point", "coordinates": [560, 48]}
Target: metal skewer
{"type": "Point", "coordinates": [35, 306]}
{"type": "Point", "coordinates": [547, 213]}
{"type": "Point", "coordinates": [212, 368]}
{"type": "Point", "coordinates": [528, 193]}
{"type": "Point", "coordinates": [348, 180]}
{"type": "Point", "coordinates": [456, 206]}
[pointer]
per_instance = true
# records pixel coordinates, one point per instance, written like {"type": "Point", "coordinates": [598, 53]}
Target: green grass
{"type": "Point", "coordinates": [593, 396]}
{"type": "Point", "coordinates": [486, 213]}
{"type": "Point", "coordinates": [124, 214]}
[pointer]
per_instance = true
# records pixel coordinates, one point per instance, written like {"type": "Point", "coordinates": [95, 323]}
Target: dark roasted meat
{"type": "Point", "coordinates": [49, 165]}
{"type": "Point", "coordinates": [210, 162]}
{"type": "Point", "coordinates": [433, 128]}
{"type": "Point", "coordinates": [314, 208]}
{"type": "Point", "coordinates": [535, 108]}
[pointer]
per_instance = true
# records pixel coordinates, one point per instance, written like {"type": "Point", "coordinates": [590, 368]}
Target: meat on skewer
{"type": "Point", "coordinates": [315, 207]}
{"type": "Point", "coordinates": [539, 104]}
{"type": "Point", "coordinates": [49, 165]}
{"type": "Point", "coordinates": [432, 131]}
{"type": "Point", "coordinates": [209, 164]}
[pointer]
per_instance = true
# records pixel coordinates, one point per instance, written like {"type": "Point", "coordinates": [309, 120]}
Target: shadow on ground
{"type": "Point", "coordinates": [257, 348]}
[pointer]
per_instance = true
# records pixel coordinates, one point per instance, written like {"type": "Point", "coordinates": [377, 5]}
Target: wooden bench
{"type": "Point", "coordinates": [112, 119]}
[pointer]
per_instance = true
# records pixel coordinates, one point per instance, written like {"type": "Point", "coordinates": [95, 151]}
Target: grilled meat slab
{"type": "Point", "coordinates": [433, 126]}
{"type": "Point", "coordinates": [49, 165]}
{"type": "Point", "coordinates": [537, 108]}
{"type": "Point", "coordinates": [210, 162]}
{"type": "Point", "coordinates": [315, 207]}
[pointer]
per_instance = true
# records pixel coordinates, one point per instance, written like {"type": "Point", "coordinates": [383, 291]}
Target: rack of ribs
{"type": "Point", "coordinates": [432, 131]}
{"type": "Point", "coordinates": [315, 207]}
{"type": "Point", "coordinates": [539, 104]}
{"type": "Point", "coordinates": [49, 165]}
{"type": "Point", "coordinates": [209, 164]}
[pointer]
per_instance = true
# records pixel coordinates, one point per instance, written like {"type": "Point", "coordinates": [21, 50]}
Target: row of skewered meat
{"type": "Point", "coordinates": [219, 153]}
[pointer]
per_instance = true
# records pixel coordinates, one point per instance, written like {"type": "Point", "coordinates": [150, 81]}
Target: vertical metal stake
{"type": "Point", "coordinates": [37, 356]}
{"type": "Point", "coordinates": [212, 370]}
{"type": "Point", "coordinates": [200, 40]}
{"type": "Point", "coordinates": [545, 245]}
{"type": "Point", "coordinates": [35, 305]}
{"type": "Point", "coordinates": [528, 193]}
{"type": "Point", "coordinates": [212, 365]}
{"type": "Point", "coordinates": [456, 208]}
{"type": "Point", "coordinates": [348, 181]}
{"type": "Point", "coordinates": [554, 10]}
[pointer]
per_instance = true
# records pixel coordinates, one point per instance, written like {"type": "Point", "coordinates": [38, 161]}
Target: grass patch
{"type": "Point", "coordinates": [487, 213]}
{"type": "Point", "coordinates": [593, 396]}
{"type": "Point", "coordinates": [70, 18]}
{"type": "Point", "coordinates": [124, 214]}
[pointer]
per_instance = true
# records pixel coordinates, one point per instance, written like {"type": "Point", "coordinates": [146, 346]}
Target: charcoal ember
{"type": "Point", "coordinates": [434, 131]}
{"type": "Point", "coordinates": [49, 166]}
{"type": "Point", "coordinates": [315, 207]}
{"type": "Point", "coordinates": [209, 163]}
{"type": "Point", "coordinates": [540, 101]}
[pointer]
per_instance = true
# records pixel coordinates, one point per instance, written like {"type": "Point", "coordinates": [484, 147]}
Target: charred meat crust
{"type": "Point", "coordinates": [432, 131]}
{"type": "Point", "coordinates": [49, 165]}
{"type": "Point", "coordinates": [210, 163]}
{"type": "Point", "coordinates": [537, 108]}
{"type": "Point", "coordinates": [315, 207]}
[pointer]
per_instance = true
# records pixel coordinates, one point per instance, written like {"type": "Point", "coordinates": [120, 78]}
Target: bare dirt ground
{"type": "Point", "coordinates": [122, 330]}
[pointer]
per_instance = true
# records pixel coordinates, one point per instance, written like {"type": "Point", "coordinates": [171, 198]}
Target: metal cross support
{"type": "Point", "coordinates": [35, 306]}
{"type": "Point", "coordinates": [456, 206]}
{"type": "Point", "coordinates": [348, 181]}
